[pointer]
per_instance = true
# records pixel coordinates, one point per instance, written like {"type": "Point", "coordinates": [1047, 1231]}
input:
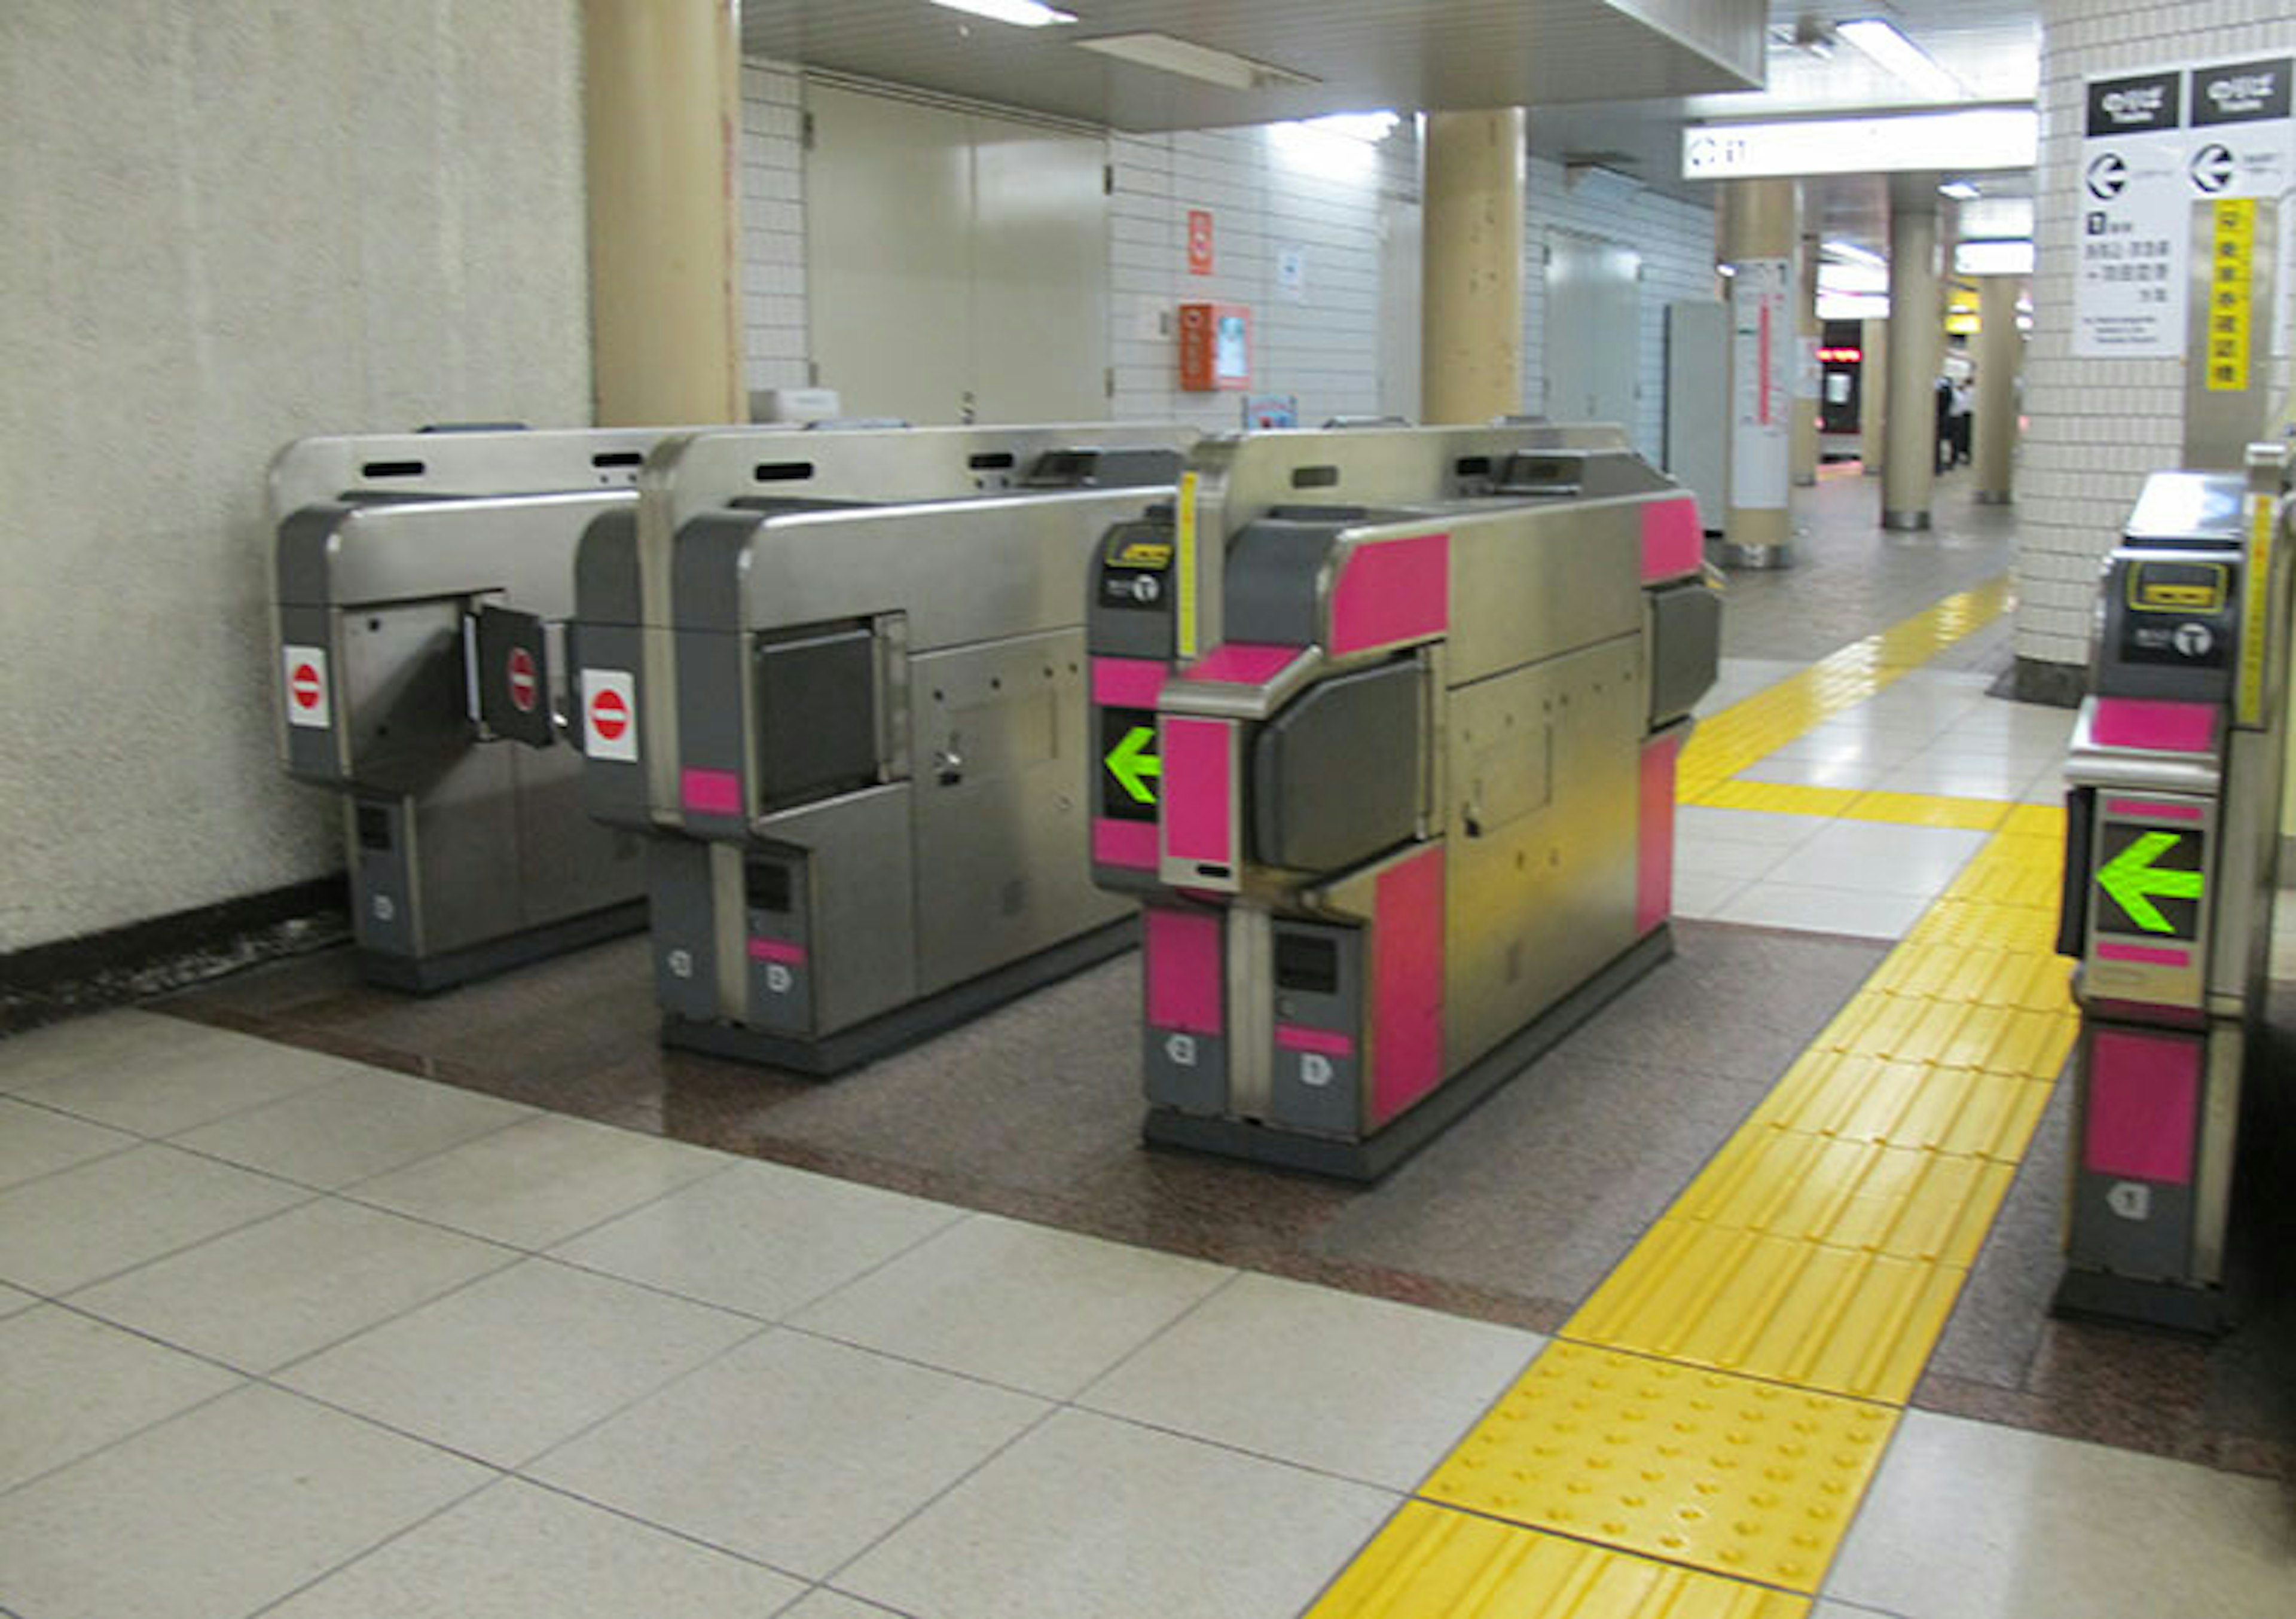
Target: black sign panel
{"type": "Point", "coordinates": [1131, 772]}
{"type": "Point", "coordinates": [2150, 881]}
{"type": "Point", "coordinates": [2244, 93]}
{"type": "Point", "coordinates": [2135, 106]}
{"type": "Point", "coordinates": [513, 676]}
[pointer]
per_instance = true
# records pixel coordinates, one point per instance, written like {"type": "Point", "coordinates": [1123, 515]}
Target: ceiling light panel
{"type": "Point", "coordinates": [1899, 56]}
{"type": "Point", "coordinates": [1168, 54]}
{"type": "Point", "coordinates": [1020, 13]}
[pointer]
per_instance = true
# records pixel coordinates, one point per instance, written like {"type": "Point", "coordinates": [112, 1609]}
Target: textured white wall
{"type": "Point", "coordinates": [229, 226]}
{"type": "Point", "coordinates": [1675, 239]}
{"type": "Point", "coordinates": [2098, 426]}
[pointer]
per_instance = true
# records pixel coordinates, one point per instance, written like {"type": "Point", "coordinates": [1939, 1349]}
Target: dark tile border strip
{"type": "Point", "coordinates": [121, 965]}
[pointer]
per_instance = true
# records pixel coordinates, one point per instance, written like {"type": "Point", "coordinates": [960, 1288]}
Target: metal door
{"type": "Point", "coordinates": [1593, 331]}
{"type": "Point", "coordinates": [1039, 274]}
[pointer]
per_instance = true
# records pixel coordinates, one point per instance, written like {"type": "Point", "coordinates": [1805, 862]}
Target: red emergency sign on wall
{"type": "Point", "coordinates": [1199, 241]}
{"type": "Point", "coordinates": [1215, 347]}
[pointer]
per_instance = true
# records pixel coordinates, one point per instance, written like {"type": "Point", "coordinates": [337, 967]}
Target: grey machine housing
{"type": "Point", "coordinates": [862, 729]}
{"type": "Point", "coordinates": [413, 574]}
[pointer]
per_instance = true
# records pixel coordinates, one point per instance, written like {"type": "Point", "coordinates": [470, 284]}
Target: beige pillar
{"type": "Point", "coordinates": [1470, 324]}
{"type": "Point", "coordinates": [1806, 425]}
{"type": "Point", "coordinates": [2000, 352]}
{"type": "Point", "coordinates": [1761, 237]}
{"type": "Point", "coordinates": [662, 113]}
{"type": "Point", "coordinates": [1874, 394]}
{"type": "Point", "coordinates": [1916, 351]}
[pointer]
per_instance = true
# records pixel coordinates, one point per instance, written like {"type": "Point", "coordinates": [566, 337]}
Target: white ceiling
{"type": "Point", "coordinates": [1612, 81]}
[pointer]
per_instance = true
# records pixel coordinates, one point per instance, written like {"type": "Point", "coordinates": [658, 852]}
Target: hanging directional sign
{"type": "Point", "coordinates": [1131, 768]}
{"type": "Point", "coordinates": [2155, 142]}
{"type": "Point", "coordinates": [2151, 880]}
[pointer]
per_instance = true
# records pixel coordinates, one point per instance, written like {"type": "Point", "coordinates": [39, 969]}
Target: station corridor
{"type": "Point", "coordinates": [322, 1303]}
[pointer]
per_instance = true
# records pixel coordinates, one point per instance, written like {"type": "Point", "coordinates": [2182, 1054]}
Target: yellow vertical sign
{"type": "Point", "coordinates": [2232, 296]}
{"type": "Point", "coordinates": [1184, 547]}
{"type": "Point", "coordinates": [2255, 618]}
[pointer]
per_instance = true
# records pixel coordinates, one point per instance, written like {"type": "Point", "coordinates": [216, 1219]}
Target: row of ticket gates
{"type": "Point", "coordinates": [1368, 738]}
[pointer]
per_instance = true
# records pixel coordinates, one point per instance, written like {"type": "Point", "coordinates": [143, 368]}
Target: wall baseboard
{"type": "Point", "coordinates": [121, 965]}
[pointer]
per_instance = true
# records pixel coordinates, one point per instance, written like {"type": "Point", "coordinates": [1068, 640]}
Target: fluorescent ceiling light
{"type": "Point", "coordinates": [1372, 126]}
{"type": "Point", "coordinates": [1897, 55]}
{"type": "Point", "coordinates": [1850, 253]}
{"type": "Point", "coordinates": [1960, 190]}
{"type": "Point", "coordinates": [1993, 259]}
{"type": "Point", "coordinates": [1020, 13]}
{"type": "Point", "coordinates": [1975, 139]}
{"type": "Point", "coordinates": [1167, 54]}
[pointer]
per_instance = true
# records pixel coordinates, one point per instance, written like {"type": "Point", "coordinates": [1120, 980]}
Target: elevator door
{"type": "Point", "coordinates": [1593, 331]}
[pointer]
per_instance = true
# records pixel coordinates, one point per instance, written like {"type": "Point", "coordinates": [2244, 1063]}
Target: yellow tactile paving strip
{"type": "Point", "coordinates": [1722, 1401]}
{"type": "Point", "coordinates": [1429, 1560]}
{"type": "Point", "coordinates": [1722, 1473]}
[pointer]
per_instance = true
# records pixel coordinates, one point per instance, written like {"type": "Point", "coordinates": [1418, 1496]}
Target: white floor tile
{"type": "Point", "coordinates": [158, 1097]}
{"type": "Point", "coordinates": [74, 1386]}
{"type": "Point", "coordinates": [759, 1238]}
{"type": "Point", "coordinates": [1870, 916]}
{"type": "Point", "coordinates": [1697, 857]}
{"type": "Point", "coordinates": [360, 1127]}
{"type": "Point", "coordinates": [1361, 1388]}
{"type": "Point", "coordinates": [539, 1182]}
{"type": "Point", "coordinates": [1091, 1518]}
{"type": "Point", "coordinates": [513, 1551]}
{"type": "Point", "coordinates": [1870, 857]}
{"type": "Point", "coordinates": [219, 1511]}
{"type": "Point", "coordinates": [518, 1361]}
{"type": "Point", "coordinates": [68, 1229]}
{"type": "Point", "coordinates": [1695, 821]}
{"type": "Point", "coordinates": [1697, 897]}
{"type": "Point", "coordinates": [1970, 1521]}
{"type": "Point", "coordinates": [791, 1449]}
{"type": "Point", "coordinates": [277, 1290]}
{"type": "Point", "coordinates": [1039, 1310]}
{"type": "Point", "coordinates": [826, 1603]}
{"type": "Point", "coordinates": [1851, 775]}
{"type": "Point", "coordinates": [109, 1040]}
{"type": "Point", "coordinates": [1856, 744]}
{"type": "Point", "coordinates": [2000, 780]}
{"type": "Point", "coordinates": [35, 1142]}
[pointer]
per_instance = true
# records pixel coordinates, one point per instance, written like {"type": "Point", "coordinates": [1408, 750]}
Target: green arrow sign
{"type": "Point", "coordinates": [2134, 882]}
{"type": "Point", "coordinates": [1131, 762]}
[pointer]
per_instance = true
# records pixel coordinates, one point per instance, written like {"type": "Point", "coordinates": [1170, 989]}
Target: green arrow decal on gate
{"type": "Point", "coordinates": [2131, 880]}
{"type": "Point", "coordinates": [1131, 764]}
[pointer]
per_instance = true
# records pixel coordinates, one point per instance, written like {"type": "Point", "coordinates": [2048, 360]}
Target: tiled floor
{"type": "Point", "coordinates": [285, 1334]}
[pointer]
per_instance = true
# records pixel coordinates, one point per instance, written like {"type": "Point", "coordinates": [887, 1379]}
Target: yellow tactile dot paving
{"type": "Point", "coordinates": [1722, 1473]}
{"type": "Point", "coordinates": [1920, 809]}
{"type": "Point", "coordinates": [1433, 1563]}
{"type": "Point", "coordinates": [1845, 1320]}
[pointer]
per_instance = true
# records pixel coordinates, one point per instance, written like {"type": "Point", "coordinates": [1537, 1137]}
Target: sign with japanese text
{"type": "Point", "coordinates": [2154, 143]}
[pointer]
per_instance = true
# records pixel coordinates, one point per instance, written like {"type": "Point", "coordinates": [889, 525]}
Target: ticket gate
{"type": "Point", "coordinates": [421, 584]}
{"type": "Point", "coordinates": [855, 732]}
{"type": "Point", "coordinates": [2173, 787]}
{"type": "Point", "coordinates": [1388, 724]}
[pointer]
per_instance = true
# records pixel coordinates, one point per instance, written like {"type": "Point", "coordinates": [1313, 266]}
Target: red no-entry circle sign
{"type": "Point", "coordinates": [303, 684]}
{"type": "Point", "coordinates": [525, 691]}
{"type": "Point", "coordinates": [610, 715]}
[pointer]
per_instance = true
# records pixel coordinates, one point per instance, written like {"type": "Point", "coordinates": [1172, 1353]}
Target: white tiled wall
{"type": "Point", "coordinates": [2098, 426]}
{"type": "Point", "coordinates": [1676, 241]}
{"type": "Point", "coordinates": [1321, 343]}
